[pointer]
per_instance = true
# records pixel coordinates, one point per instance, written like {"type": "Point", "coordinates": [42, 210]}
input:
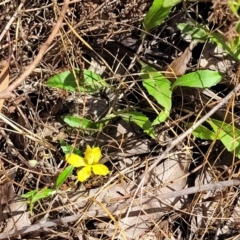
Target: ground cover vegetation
{"type": "Point", "coordinates": [119, 119]}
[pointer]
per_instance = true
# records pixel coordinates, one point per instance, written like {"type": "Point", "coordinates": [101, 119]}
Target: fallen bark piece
{"type": "Point", "coordinates": [179, 66]}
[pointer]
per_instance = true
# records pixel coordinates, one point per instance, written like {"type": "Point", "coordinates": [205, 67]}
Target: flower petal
{"type": "Point", "coordinates": [88, 154]}
{"type": "Point", "coordinates": [84, 173]}
{"type": "Point", "coordinates": [75, 160]}
{"type": "Point", "coordinates": [100, 169]}
{"type": "Point", "coordinates": [93, 155]}
{"type": "Point", "coordinates": [96, 154]}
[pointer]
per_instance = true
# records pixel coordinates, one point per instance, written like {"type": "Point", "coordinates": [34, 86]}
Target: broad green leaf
{"type": "Point", "coordinates": [199, 79]}
{"type": "Point", "coordinates": [162, 117]}
{"type": "Point", "coordinates": [78, 122]}
{"type": "Point", "coordinates": [29, 194]}
{"type": "Point", "coordinates": [157, 86]}
{"type": "Point", "coordinates": [90, 83]}
{"type": "Point", "coordinates": [84, 123]}
{"type": "Point", "coordinates": [64, 80]}
{"type": "Point", "coordinates": [204, 133]}
{"type": "Point", "coordinates": [64, 175]}
{"type": "Point", "coordinates": [35, 195]}
{"type": "Point", "coordinates": [43, 193]}
{"type": "Point", "coordinates": [140, 119]}
{"type": "Point", "coordinates": [156, 14]}
{"type": "Point", "coordinates": [227, 134]}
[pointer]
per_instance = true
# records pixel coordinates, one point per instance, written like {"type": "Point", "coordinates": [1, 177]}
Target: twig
{"type": "Point", "coordinates": [202, 188]}
{"type": "Point", "coordinates": [7, 93]}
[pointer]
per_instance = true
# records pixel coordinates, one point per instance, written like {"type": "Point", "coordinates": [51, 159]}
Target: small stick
{"type": "Point", "coordinates": [202, 188]}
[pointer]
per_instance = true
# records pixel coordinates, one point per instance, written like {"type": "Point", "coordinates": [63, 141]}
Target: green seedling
{"type": "Point", "coordinates": [36, 195]}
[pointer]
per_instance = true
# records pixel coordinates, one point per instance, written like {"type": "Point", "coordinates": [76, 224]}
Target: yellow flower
{"type": "Point", "coordinates": [89, 163]}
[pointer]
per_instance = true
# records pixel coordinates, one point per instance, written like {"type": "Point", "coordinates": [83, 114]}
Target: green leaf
{"type": "Point", "coordinates": [103, 122]}
{"type": "Point", "coordinates": [199, 79]}
{"type": "Point", "coordinates": [43, 193]}
{"type": "Point", "coordinates": [64, 175]}
{"type": "Point", "coordinates": [227, 134]}
{"type": "Point", "coordinates": [156, 14]}
{"type": "Point", "coordinates": [200, 33]}
{"type": "Point", "coordinates": [78, 122]}
{"type": "Point", "coordinates": [204, 133]}
{"type": "Point", "coordinates": [84, 123]}
{"type": "Point", "coordinates": [170, 3]}
{"type": "Point", "coordinates": [69, 149]}
{"type": "Point", "coordinates": [234, 6]}
{"type": "Point", "coordinates": [64, 80]}
{"type": "Point", "coordinates": [196, 33]}
{"type": "Point", "coordinates": [162, 117]}
{"type": "Point", "coordinates": [90, 83]}
{"type": "Point", "coordinates": [29, 194]}
{"type": "Point", "coordinates": [140, 119]}
{"type": "Point", "coordinates": [157, 86]}
{"type": "Point", "coordinates": [221, 42]}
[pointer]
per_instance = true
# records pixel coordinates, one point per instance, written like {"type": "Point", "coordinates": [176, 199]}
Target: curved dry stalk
{"type": "Point", "coordinates": [7, 93]}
